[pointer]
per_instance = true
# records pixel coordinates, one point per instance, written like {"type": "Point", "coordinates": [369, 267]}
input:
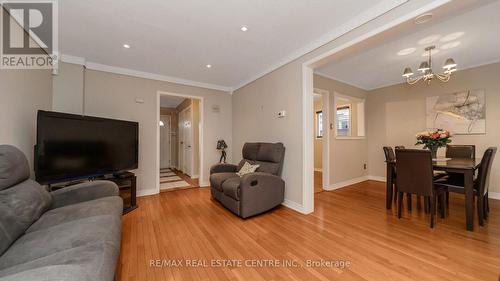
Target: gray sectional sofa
{"type": "Point", "coordinates": [71, 234]}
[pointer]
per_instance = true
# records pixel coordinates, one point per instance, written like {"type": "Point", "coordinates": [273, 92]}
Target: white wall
{"type": "Point", "coordinates": [67, 92]}
{"type": "Point", "coordinates": [347, 156]}
{"type": "Point", "coordinates": [397, 112]}
{"type": "Point", "coordinates": [113, 96]}
{"type": "Point", "coordinates": [255, 106]}
{"type": "Point", "coordinates": [22, 93]}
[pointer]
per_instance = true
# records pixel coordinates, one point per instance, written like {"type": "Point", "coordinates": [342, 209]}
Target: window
{"type": "Point", "coordinates": [344, 120]}
{"type": "Point", "coordinates": [349, 117]}
{"type": "Point", "coordinates": [319, 124]}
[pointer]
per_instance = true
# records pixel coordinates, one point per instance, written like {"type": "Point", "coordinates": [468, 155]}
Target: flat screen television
{"type": "Point", "coordinates": [70, 147]}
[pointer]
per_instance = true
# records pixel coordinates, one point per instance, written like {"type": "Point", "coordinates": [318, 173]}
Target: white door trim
{"type": "Point", "coordinates": [325, 142]}
{"type": "Point", "coordinates": [307, 101]}
{"type": "Point", "coordinates": [169, 118]}
{"type": "Point", "coordinates": [201, 138]}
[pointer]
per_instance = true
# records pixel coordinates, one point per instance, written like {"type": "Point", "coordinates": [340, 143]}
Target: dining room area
{"type": "Point", "coordinates": [420, 176]}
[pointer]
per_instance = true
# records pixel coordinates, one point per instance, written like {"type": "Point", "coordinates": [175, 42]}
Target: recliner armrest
{"type": "Point", "coordinates": [83, 192]}
{"type": "Point", "coordinates": [223, 168]}
{"type": "Point", "coordinates": [260, 192]}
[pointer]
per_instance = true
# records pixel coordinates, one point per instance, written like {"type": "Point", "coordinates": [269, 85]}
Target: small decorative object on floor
{"type": "Point", "coordinates": [221, 145]}
{"type": "Point", "coordinates": [433, 140]}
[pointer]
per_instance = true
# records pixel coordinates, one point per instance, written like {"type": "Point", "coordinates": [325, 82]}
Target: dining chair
{"type": "Point", "coordinates": [416, 176]}
{"type": "Point", "coordinates": [481, 184]}
{"type": "Point", "coordinates": [461, 151]}
{"type": "Point", "coordinates": [390, 157]}
{"type": "Point", "coordinates": [458, 151]}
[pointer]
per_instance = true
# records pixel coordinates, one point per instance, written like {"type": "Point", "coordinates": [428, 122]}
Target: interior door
{"type": "Point", "coordinates": [165, 142]}
{"type": "Point", "coordinates": [180, 138]}
{"type": "Point", "coordinates": [188, 141]}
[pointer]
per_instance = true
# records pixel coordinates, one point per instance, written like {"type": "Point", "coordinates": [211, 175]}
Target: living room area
{"type": "Point", "coordinates": [250, 141]}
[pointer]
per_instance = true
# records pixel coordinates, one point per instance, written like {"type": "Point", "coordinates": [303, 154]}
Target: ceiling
{"type": "Point", "coordinates": [170, 101]}
{"type": "Point", "coordinates": [472, 36]}
{"type": "Point", "coordinates": [178, 38]}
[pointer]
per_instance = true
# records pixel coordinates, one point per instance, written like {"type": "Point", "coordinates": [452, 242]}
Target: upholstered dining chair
{"type": "Point", "coordinates": [461, 151]}
{"type": "Point", "coordinates": [458, 151]}
{"type": "Point", "coordinates": [389, 158]}
{"type": "Point", "coordinates": [416, 176]}
{"type": "Point", "coordinates": [481, 184]}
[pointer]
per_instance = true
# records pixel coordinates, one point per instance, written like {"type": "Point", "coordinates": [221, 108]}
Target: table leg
{"type": "Point", "coordinates": [388, 194]}
{"type": "Point", "coordinates": [469, 199]}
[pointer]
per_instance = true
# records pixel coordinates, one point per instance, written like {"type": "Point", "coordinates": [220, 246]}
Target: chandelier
{"type": "Point", "coordinates": [427, 75]}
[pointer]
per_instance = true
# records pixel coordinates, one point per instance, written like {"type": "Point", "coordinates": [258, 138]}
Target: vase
{"type": "Point", "coordinates": [434, 151]}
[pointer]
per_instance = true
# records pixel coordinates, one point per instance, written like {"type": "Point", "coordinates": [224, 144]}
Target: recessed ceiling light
{"type": "Point", "coordinates": [126, 46]}
{"type": "Point", "coordinates": [452, 36]}
{"type": "Point", "coordinates": [244, 28]}
{"type": "Point", "coordinates": [428, 39]}
{"type": "Point", "coordinates": [423, 18]}
{"type": "Point", "coordinates": [406, 51]}
{"type": "Point", "coordinates": [450, 45]}
{"type": "Point", "coordinates": [209, 66]}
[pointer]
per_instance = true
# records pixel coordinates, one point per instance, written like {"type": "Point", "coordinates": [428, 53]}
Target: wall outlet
{"type": "Point", "coordinates": [364, 166]}
{"type": "Point", "coordinates": [281, 114]}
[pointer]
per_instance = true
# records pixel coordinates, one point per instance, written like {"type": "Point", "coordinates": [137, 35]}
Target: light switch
{"type": "Point", "coordinates": [281, 114]}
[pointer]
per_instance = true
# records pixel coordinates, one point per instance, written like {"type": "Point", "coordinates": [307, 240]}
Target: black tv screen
{"type": "Point", "coordinates": [70, 147]}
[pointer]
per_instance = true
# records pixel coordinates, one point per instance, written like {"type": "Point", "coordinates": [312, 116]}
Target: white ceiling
{"type": "Point", "coordinates": [170, 101]}
{"type": "Point", "coordinates": [178, 38]}
{"type": "Point", "coordinates": [381, 65]}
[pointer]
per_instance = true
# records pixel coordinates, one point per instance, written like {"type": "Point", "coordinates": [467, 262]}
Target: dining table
{"type": "Point", "coordinates": [465, 166]}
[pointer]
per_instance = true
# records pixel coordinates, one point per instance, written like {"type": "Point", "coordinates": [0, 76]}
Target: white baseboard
{"type": "Point", "coordinates": [494, 195]}
{"type": "Point", "coordinates": [377, 178]}
{"type": "Point", "coordinates": [294, 206]}
{"type": "Point", "coordinates": [347, 183]}
{"type": "Point", "coordinates": [204, 184]}
{"type": "Point", "coordinates": [195, 176]}
{"type": "Point", "coordinates": [318, 170]}
{"type": "Point", "coordinates": [146, 192]}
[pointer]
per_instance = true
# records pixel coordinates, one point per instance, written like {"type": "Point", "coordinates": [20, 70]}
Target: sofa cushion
{"type": "Point", "coordinates": [20, 206]}
{"type": "Point", "coordinates": [268, 167]}
{"type": "Point", "coordinates": [93, 262]}
{"type": "Point", "coordinates": [111, 205]}
{"type": "Point", "coordinates": [231, 188]}
{"type": "Point", "coordinates": [270, 152]}
{"type": "Point", "coordinates": [217, 179]}
{"type": "Point", "coordinates": [14, 166]}
{"type": "Point", "coordinates": [50, 241]}
{"type": "Point", "coordinates": [250, 150]}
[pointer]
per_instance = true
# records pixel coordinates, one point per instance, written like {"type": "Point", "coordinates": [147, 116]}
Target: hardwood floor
{"type": "Point", "coordinates": [318, 182]}
{"type": "Point", "coordinates": [349, 224]}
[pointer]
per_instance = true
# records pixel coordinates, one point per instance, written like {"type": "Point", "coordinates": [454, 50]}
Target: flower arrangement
{"type": "Point", "coordinates": [433, 140]}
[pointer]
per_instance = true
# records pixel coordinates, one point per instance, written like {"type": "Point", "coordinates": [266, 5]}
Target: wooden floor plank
{"type": "Point", "coordinates": [349, 224]}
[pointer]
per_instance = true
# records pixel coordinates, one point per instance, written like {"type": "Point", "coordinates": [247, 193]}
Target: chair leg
{"type": "Point", "coordinates": [395, 193]}
{"type": "Point", "coordinates": [400, 203]}
{"type": "Point", "coordinates": [487, 205]}
{"type": "Point", "coordinates": [447, 199]}
{"type": "Point", "coordinates": [427, 204]}
{"type": "Point", "coordinates": [408, 201]}
{"type": "Point", "coordinates": [442, 199]}
{"type": "Point", "coordinates": [433, 209]}
{"type": "Point", "coordinates": [480, 210]}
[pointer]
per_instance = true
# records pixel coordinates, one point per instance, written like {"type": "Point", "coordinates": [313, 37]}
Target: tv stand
{"type": "Point", "coordinates": [127, 184]}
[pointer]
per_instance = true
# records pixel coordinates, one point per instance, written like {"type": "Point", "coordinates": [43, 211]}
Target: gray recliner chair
{"type": "Point", "coordinates": [252, 193]}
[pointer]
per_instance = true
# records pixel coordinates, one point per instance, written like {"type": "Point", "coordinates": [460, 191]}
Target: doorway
{"type": "Point", "coordinates": [321, 142]}
{"type": "Point", "coordinates": [179, 142]}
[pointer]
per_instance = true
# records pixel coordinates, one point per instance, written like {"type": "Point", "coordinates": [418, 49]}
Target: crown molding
{"type": "Point", "coordinates": [366, 16]}
{"type": "Point", "coordinates": [141, 74]}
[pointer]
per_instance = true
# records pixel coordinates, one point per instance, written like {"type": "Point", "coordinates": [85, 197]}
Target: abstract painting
{"type": "Point", "coordinates": [462, 113]}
